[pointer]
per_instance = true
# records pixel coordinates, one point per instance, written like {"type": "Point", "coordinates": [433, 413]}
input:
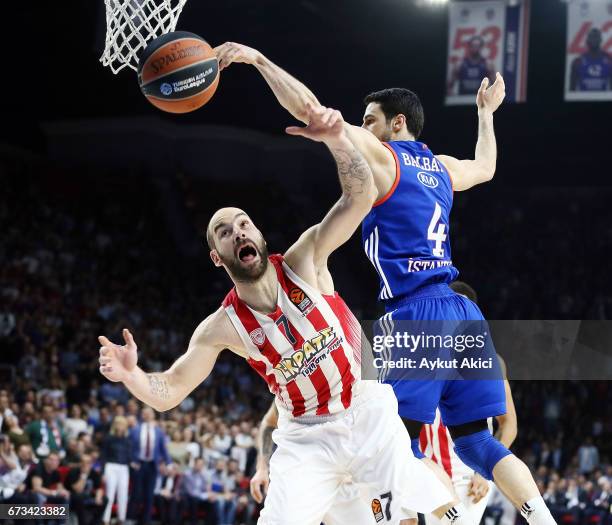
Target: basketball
{"type": "Point", "coordinates": [178, 72]}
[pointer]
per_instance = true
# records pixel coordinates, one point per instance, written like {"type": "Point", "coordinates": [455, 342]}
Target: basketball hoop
{"type": "Point", "coordinates": [131, 24]}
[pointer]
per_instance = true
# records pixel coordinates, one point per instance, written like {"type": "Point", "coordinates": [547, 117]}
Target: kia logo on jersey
{"type": "Point", "coordinates": [257, 336]}
{"type": "Point", "coordinates": [427, 179]}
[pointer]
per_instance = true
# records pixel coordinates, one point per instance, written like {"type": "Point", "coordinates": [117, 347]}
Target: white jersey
{"type": "Point", "coordinates": [307, 350]}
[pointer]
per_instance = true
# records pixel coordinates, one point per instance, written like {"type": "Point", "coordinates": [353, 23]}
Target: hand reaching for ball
{"type": "Point", "coordinates": [324, 125]}
{"type": "Point", "coordinates": [231, 52]}
{"type": "Point", "coordinates": [117, 361]}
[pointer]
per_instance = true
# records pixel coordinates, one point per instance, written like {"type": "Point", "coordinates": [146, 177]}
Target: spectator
{"type": "Point", "coordinates": [45, 481]}
{"type": "Point", "coordinates": [75, 391]}
{"type": "Point", "coordinates": [168, 495]}
{"type": "Point", "coordinates": [243, 443]}
{"type": "Point", "coordinates": [87, 498]}
{"type": "Point", "coordinates": [75, 424]}
{"type": "Point", "coordinates": [45, 434]}
{"type": "Point", "coordinates": [148, 452]}
{"type": "Point", "coordinates": [14, 468]}
{"type": "Point", "coordinates": [177, 448]}
{"type": "Point", "coordinates": [588, 456]}
{"type": "Point", "coordinates": [197, 492]}
{"type": "Point", "coordinates": [116, 456]}
{"type": "Point", "coordinates": [193, 447]}
{"type": "Point", "coordinates": [222, 440]}
{"type": "Point", "coordinates": [73, 453]}
{"type": "Point", "coordinates": [5, 410]}
{"type": "Point", "coordinates": [15, 433]}
{"type": "Point", "coordinates": [223, 486]}
{"type": "Point", "coordinates": [209, 453]}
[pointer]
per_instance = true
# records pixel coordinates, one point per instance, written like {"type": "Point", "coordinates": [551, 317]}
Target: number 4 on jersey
{"type": "Point", "coordinates": [435, 232]}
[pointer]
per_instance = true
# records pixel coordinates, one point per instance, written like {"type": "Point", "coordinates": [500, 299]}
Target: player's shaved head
{"type": "Point", "coordinates": [237, 244]}
{"type": "Point", "coordinates": [220, 217]}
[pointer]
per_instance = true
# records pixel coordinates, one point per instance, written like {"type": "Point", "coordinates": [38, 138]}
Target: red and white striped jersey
{"type": "Point", "coordinates": [436, 443]}
{"type": "Point", "coordinates": [307, 350]}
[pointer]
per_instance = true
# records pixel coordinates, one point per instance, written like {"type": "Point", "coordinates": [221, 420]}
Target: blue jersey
{"type": "Point", "coordinates": [471, 74]}
{"type": "Point", "coordinates": [406, 234]}
{"type": "Point", "coordinates": [595, 72]}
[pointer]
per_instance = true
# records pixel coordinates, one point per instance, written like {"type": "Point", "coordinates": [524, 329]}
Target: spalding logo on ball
{"type": "Point", "coordinates": [178, 72]}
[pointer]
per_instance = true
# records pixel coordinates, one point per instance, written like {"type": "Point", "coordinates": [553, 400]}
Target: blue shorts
{"type": "Point", "coordinates": [460, 401]}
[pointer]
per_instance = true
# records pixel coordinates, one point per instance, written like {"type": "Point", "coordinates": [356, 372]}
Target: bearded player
{"type": "Point", "coordinates": [284, 317]}
{"type": "Point", "coordinates": [406, 237]}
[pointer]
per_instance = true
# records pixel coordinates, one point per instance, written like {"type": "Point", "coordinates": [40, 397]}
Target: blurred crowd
{"type": "Point", "coordinates": [77, 264]}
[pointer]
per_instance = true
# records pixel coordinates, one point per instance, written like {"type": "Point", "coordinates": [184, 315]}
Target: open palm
{"type": "Point", "coordinates": [117, 361]}
{"type": "Point", "coordinates": [491, 97]}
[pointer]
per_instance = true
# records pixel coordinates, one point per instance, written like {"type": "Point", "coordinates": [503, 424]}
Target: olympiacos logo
{"type": "Point", "coordinates": [427, 179]}
{"type": "Point", "coordinates": [258, 336]}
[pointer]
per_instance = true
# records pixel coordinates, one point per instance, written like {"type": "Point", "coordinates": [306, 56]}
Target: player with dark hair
{"type": "Point", "coordinates": [473, 68]}
{"type": "Point", "coordinates": [406, 237]}
{"type": "Point", "coordinates": [284, 317]}
{"type": "Point", "coordinates": [592, 71]}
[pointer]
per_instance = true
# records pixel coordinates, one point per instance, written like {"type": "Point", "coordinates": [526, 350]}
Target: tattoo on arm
{"type": "Point", "coordinates": [354, 173]}
{"type": "Point", "coordinates": [266, 443]}
{"type": "Point", "coordinates": [159, 386]}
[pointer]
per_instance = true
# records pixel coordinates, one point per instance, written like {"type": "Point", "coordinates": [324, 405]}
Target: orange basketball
{"type": "Point", "coordinates": [178, 72]}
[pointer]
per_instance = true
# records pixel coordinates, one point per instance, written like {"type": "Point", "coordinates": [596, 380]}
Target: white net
{"type": "Point", "coordinates": [131, 24]}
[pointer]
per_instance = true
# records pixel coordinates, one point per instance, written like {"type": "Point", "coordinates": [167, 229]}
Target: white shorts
{"type": "Point", "coordinates": [368, 444]}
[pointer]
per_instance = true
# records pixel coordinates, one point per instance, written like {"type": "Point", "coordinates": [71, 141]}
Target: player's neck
{"type": "Point", "coordinates": [402, 135]}
{"type": "Point", "coordinates": [262, 294]}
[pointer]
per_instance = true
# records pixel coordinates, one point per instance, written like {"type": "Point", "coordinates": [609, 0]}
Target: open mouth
{"type": "Point", "coordinates": [247, 253]}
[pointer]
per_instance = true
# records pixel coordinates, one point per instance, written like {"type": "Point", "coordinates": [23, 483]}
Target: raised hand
{"type": "Point", "coordinates": [324, 125]}
{"type": "Point", "coordinates": [491, 97]}
{"type": "Point", "coordinates": [231, 52]}
{"type": "Point", "coordinates": [117, 361]}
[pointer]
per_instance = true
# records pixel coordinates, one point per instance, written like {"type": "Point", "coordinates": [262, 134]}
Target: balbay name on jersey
{"type": "Point", "coordinates": [406, 234]}
{"type": "Point", "coordinates": [423, 163]}
{"type": "Point", "coordinates": [313, 351]}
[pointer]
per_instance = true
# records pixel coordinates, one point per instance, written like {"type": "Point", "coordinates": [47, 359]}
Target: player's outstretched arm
{"type": "Point", "coordinates": [358, 193]}
{"type": "Point", "coordinates": [295, 97]}
{"type": "Point", "coordinates": [290, 92]}
{"type": "Point", "coordinates": [165, 390]}
{"type": "Point", "coordinates": [468, 173]}
{"type": "Point", "coordinates": [261, 478]}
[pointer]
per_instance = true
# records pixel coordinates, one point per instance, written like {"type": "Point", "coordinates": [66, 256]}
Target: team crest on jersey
{"type": "Point", "coordinates": [257, 336]}
{"type": "Point", "coordinates": [377, 510]}
{"type": "Point", "coordinates": [299, 298]}
{"type": "Point", "coordinates": [427, 179]}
